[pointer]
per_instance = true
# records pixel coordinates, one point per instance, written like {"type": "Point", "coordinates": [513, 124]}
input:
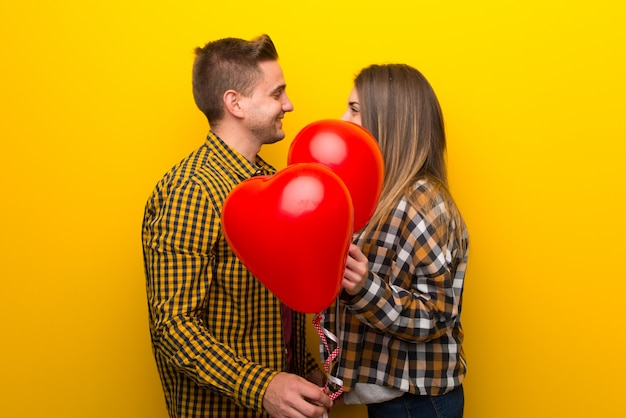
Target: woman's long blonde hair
{"type": "Point", "coordinates": [400, 109]}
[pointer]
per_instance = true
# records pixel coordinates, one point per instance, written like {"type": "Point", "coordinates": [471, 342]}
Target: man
{"type": "Point", "coordinates": [223, 344]}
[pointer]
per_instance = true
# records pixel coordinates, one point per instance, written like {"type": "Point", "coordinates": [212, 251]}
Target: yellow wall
{"type": "Point", "coordinates": [95, 105]}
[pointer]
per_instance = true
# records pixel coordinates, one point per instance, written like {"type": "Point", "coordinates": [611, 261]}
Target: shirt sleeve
{"type": "Point", "coordinates": [178, 244]}
{"type": "Point", "coordinates": [310, 364]}
{"type": "Point", "coordinates": [409, 290]}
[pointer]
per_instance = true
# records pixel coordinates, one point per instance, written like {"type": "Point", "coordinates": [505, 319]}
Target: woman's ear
{"type": "Point", "coordinates": [232, 103]}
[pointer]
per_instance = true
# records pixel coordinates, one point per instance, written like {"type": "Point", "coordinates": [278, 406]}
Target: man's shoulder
{"type": "Point", "coordinates": [201, 162]}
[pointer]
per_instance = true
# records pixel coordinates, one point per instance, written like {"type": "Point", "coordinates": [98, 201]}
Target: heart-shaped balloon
{"type": "Point", "coordinates": [292, 230]}
{"type": "Point", "coordinates": [352, 153]}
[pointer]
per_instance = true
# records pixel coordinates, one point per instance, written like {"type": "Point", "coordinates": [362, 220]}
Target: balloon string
{"type": "Point", "coordinates": [336, 389]}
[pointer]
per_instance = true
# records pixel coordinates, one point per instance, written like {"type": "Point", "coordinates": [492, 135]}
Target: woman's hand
{"type": "Point", "coordinates": [356, 271]}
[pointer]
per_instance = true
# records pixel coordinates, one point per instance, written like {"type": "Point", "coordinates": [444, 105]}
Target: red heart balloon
{"type": "Point", "coordinates": [352, 153]}
{"type": "Point", "coordinates": [292, 230]}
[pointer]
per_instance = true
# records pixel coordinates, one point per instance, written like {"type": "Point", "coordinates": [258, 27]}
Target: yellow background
{"type": "Point", "coordinates": [96, 105]}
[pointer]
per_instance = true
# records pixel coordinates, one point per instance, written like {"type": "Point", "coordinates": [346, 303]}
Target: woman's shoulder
{"type": "Point", "coordinates": [426, 191]}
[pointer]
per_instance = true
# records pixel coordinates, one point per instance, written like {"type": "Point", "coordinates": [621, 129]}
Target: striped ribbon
{"type": "Point", "coordinates": [334, 386]}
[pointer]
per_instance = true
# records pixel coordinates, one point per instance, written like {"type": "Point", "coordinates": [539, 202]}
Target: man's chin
{"type": "Point", "coordinates": [276, 138]}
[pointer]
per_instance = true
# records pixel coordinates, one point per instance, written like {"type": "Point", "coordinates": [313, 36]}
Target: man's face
{"type": "Point", "coordinates": [267, 105]}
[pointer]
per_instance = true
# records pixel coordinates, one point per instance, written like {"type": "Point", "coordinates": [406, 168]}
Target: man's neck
{"type": "Point", "coordinates": [239, 141]}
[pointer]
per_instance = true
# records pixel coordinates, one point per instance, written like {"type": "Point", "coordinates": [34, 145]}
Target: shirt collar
{"type": "Point", "coordinates": [244, 168]}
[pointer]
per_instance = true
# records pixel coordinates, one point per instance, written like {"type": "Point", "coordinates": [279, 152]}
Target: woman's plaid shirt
{"type": "Point", "coordinates": [403, 330]}
{"type": "Point", "coordinates": [216, 330]}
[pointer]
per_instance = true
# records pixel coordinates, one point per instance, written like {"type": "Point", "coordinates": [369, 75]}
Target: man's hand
{"type": "Point", "coordinates": [289, 395]}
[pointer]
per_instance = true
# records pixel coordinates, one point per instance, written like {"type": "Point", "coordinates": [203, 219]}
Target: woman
{"type": "Point", "coordinates": [398, 317]}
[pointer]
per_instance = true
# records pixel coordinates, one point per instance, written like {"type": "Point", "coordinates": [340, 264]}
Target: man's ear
{"type": "Point", "coordinates": [232, 103]}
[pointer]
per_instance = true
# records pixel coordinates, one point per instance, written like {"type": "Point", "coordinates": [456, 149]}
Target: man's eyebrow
{"type": "Point", "coordinates": [280, 88]}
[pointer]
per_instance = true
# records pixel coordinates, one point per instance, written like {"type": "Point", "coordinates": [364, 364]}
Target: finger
{"type": "Point", "coordinates": [353, 264]}
{"type": "Point", "coordinates": [356, 252]}
{"type": "Point", "coordinates": [317, 396]}
{"type": "Point", "coordinates": [355, 270]}
{"type": "Point", "coordinates": [351, 276]}
{"type": "Point", "coordinates": [307, 408]}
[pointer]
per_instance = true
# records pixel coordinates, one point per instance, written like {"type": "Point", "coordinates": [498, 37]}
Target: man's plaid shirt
{"type": "Point", "coordinates": [403, 330]}
{"type": "Point", "coordinates": [216, 330]}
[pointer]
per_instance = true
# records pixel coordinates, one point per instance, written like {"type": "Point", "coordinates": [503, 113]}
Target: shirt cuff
{"type": "Point", "coordinates": [252, 385]}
